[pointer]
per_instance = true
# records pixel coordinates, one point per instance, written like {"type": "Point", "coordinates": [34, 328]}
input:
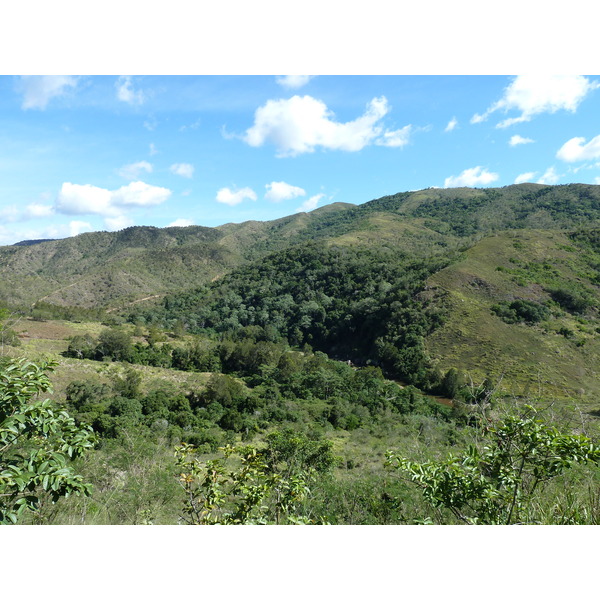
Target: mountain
{"type": "Point", "coordinates": [112, 269]}
{"type": "Point", "coordinates": [500, 282]}
{"type": "Point", "coordinates": [108, 270]}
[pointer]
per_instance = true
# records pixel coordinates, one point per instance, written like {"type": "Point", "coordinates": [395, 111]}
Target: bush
{"type": "Point", "coordinates": [521, 311]}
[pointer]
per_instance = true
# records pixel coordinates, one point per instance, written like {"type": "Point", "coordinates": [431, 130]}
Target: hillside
{"type": "Point", "coordinates": [557, 356]}
{"type": "Point", "coordinates": [322, 340]}
{"type": "Point", "coordinates": [112, 269]}
{"type": "Point", "coordinates": [429, 270]}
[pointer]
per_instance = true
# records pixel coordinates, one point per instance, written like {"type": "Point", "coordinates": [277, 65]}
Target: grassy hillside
{"type": "Point", "coordinates": [557, 356]}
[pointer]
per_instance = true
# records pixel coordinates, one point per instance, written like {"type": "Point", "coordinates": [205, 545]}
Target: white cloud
{"type": "Point", "coordinates": [77, 227]}
{"type": "Point", "coordinates": [37, 211]}
{"type": "Point", "coordinates": [134, 170]}
{"type": "Point", "coordinates": [153, 150]}
{"type": "Point", "coordinates": [75, 199]}
{"type": "Point", "coordinates": [310, 204]}
{"type": "Point", "coordinates": [138, 193]}
{"type": "Point", "coordinates": [12, 235]}
{"type": "Point", "coordinates": [476, 118]}
{"type": "Point", "coordinates": [227, 196]}
{"type": "Point", "coordinates": [395, 139]}
{"type": "Point", "coordinates": [516, 140]}
{"type": "Point", "coordinates": [451, 124]}
{"type": "Point", "coordinates": [181, 223]}
{"type": "Point", "coordinates": [535, 94]}
{"type": "Point", "coordinates": [38, 90]}
{"type": "Point", "coordinates": [302, 123]}
{"type": "Point", "coordinates": [576, 149]}
{"type": "Point", "coordinates": [293, 81]}
{"type": "Point", "coordinates": [126, 93]}
{"type": "Point", "coordinates": [117, 223]}
{"type": "Point", "coordinates": [525, 177]}
{"type": "Point", "coordinates": [550, 177]}
{"type": "Point", "coordinates": [12, 214]}
{"type": "Point", "coordinates": [470, 178]}
{"type": "Point", "coordinates": [279, 190]}
{"type": "Point", "coordinates": [183, 169]}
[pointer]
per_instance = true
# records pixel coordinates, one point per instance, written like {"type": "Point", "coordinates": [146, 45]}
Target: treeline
{"type": "Point", "coordinates": [357, 304]}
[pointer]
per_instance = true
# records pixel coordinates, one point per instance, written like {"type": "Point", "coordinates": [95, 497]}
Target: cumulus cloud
{"type": "Point", "coordinates": [451, 124]}
{"type": "Point", "coordinates": [134, 170]}
{"type": "Point", "coordinates": [228, 196]}
{"type": "Point", "coordinates": [293, 81]}
{"type": "Point", "coordinates": [310, 204]}
{"type": "Point", "coordinates": [117, 223]}
{"type": "Point", "coordinates": [38, 211]}
{"type": "Point", "coordinates": [181, 223]}
{"type": "Point", "coordinates": [395, 139]}
{"type": "Point", "coordinates": [516, 140]}
{"type": "Point", "coordinates": [75, 199]}
{"type": "Point", "coordinates": [302, 123]}
{"type": "Point", "coordinates": [525, 177]}
{"type": "Point", "coordinates": [576, 149]}
{"type": "Point", "coordinates": [470, 178]}
{"type": "Point", "coordinates": [550, 177]}
{"type": "Point", "coordinates": [536, 94]}
{"type": "Point", "coordinates": [38, 90]}
{"type": "Point", "coordinates": [183, 170]}
{"type": "Point", "coordinates": [153, 150]}
{"type": "Point", "coordinates": [280, 190]}
{"type": "Point", "coordinates": [126, 92]}
{"type": "Point", "coordinates": [138, 193]}
{"type": "Point", "coordinates": [12, 214]}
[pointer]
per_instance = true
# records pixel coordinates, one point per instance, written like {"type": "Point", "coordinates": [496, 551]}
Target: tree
{"type": "Point", "coordinates": [114, 344]}
{"type": "Point", "coordinates": [496, 484]}
{"type": "Point", "coordinates": [37, 442]}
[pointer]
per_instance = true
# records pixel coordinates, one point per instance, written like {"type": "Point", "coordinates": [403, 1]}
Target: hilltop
{"type": "Point", "coordinates": [108, 270]}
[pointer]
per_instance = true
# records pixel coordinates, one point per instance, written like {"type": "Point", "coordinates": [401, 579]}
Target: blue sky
{"type": "Point", "coordinates": [90, 153]}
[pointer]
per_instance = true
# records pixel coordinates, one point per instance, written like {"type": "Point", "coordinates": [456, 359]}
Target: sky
{"type": "Point", "coordinates": [92, 153]}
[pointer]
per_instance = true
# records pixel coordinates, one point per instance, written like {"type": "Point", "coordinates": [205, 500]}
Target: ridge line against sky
{"type": "Point", "coordinates": [88, 153]}
{"type": "Point", "coordinates": [102, 152]}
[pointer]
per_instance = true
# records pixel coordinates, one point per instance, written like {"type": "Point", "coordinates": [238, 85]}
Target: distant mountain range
{"type": "Point", "coordinates": [510, 250]}
{"type": "Point", "coordinates": [32, 242]}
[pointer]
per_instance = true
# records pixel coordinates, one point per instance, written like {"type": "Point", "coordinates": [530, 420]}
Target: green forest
{"type": "Point", "coordinates": [424, 358]}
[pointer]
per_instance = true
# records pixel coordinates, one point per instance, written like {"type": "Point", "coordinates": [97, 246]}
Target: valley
{"type": "Point", "coordinates": [324, 340]}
